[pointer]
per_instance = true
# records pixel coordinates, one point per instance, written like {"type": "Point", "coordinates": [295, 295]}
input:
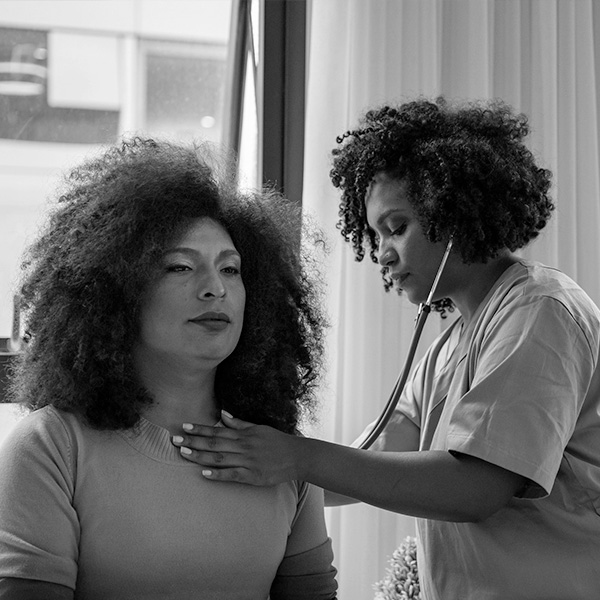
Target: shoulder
{"type": "Point", "coordinates": [534, 293]}
{"type": "Point", "coordinates": [535, 281]}
{"type": "Point", "coordinates": [46, 429]}
{"type": "Point", "coordinates": [47, 420]}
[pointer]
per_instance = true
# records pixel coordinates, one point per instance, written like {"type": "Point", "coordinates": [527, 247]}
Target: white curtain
{"type": "Point", "coordinates": [541, 56]}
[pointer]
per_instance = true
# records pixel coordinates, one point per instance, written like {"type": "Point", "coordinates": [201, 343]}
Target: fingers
{"type": "Point", "coordinates": [209, 459]}
{"type": "Point", "coordinates": [237, 475]}
{"type": "Point", "coordinates": [217, 465]}
{"type": "Point", "coordinates": [243, 453]}
{"type": "Point", "coordinates": [230, 421]}
{"type": "Point", "coordinates": [193, 430]}
{"type": "Point", "coordinates": [214, 440]}
{"type": "Point", "coordinates": [217, 447]}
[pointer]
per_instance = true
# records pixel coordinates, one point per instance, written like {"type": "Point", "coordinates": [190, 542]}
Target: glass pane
{"type": "Point", "coordinates": [185, 85]}
{"type": "Point", "coordinates": [40, 108]}
{"type": "Point", "coordinates": [248, 155]}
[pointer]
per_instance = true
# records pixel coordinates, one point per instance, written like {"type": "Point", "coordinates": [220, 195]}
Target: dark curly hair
{"type": "Point", "coordinates": [468, 175]}
{"type": "Point", "coordinates": [84, 277]}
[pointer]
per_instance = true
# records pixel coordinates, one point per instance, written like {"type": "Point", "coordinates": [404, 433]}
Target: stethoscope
{"type": "Point", "coordinates": [422, 314]}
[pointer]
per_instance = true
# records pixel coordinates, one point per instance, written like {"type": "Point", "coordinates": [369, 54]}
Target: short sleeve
{"type": "Point", "coordinates": [307, 571]}
{"type": "Point", "coordinates": [530, 375]}
{"type": "Point", "coordinates": [400, 433]}
{"type": "Point", "coordinates": [39, 529]}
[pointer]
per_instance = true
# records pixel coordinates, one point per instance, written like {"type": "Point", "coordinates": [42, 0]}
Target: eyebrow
{"type": "Point", "coordinates": [387, 213]}
{"type": "Point", "coordinates": [192, 252]}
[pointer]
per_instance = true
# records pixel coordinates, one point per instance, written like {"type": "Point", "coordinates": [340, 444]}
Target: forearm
{"type": "Point", "coordinates": [333, 499]}
{"type": "Point", "coordinates": [26, 589]}
{"type": "Point", "coordinates": [431, 484]}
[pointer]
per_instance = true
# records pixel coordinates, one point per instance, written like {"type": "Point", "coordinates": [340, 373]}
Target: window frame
{"type": "Point", "coordinates": [281, 89]}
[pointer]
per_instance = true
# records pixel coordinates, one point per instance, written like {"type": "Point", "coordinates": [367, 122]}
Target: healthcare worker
{"type": "Point", "coordinates": [495, 443]}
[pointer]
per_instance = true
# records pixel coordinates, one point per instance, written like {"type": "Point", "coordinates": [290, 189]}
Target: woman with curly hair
{"type": "Point", "coordinates": [495, 442]}
{"type": "Point", "coordinates": [156, 296]}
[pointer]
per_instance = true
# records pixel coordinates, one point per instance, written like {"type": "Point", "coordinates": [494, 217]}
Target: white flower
{"type": "Point", "coordinates": [401, 581]}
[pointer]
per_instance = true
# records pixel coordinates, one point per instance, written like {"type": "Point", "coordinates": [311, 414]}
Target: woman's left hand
{"type": "Point", "coordinates": [242, 452]}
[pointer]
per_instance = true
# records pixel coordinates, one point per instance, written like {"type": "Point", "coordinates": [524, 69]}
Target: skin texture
{"type": "Point", "coordinates": [403, 250]}
{"type": "Point", "coordinates": [178, 350]}
{"type": "Point", "coordinates": [200, 273]}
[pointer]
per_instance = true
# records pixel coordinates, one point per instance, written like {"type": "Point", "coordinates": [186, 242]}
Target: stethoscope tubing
{"type": "Point", "coordinates": [423, 313]}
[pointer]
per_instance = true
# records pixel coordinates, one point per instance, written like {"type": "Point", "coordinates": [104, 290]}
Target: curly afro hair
{"type": "Point", "coordinates": [468, 175]}
{"type": "Point", "coordinates": [84, 277]}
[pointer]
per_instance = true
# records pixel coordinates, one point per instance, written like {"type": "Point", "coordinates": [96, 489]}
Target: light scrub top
{"type": "Point", "coordinates": [122, 516]}
{"type": "Point", "coordinates": [519, 388]}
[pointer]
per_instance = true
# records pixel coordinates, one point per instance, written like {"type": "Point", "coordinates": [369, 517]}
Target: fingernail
{"type": "Point", "coordinates": [224, 412]}
{"type": "Point", "coordinates": [207, 473]}
{"type": "Point", "coordinates": [188, 426]}
{"type": "Point", "coordinates": [177, 439]}
{"type": "Point", "coordinates": [185, 450]}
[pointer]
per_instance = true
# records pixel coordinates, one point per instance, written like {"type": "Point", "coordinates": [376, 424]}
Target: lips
{"type": "Point", "coordinates": [214, 321]}
{"type": "Point", "coordinates": [398, 278]}
{"type": "Point", "coordinates": [212, 316]}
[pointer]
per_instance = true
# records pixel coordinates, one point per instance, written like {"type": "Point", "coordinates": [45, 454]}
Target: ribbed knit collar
{"type": "Point", "coordinates": [154, 442]}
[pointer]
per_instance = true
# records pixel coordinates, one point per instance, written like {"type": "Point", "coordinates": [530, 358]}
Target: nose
{"type": "Point", "coordinates": [211, 286]}
{"type": "Point", "coordinates": [386, 256]}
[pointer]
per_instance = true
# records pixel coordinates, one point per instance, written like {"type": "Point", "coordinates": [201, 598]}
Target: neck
{"type": "Point", "coordinates": [481, 277]}
{"type": "Point", "coordinates": [180, 394]}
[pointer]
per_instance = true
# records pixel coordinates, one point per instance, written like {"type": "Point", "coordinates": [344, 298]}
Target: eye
{"type": "Point", "coordinates": [399, 230]}
{"type": "Point", "coordinates": [177, 268]}
{"type": "Point", "coordinates": [231, 270]}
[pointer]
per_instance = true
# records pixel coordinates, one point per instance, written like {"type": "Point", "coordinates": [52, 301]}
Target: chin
{"type": "Point", "coordinates": [413, 298]}
{"type": "Point", "coordinates": [207, 359]}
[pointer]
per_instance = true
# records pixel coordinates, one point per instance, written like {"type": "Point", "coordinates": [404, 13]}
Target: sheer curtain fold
{"type": "Point", "coordinates": [542, 57]}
